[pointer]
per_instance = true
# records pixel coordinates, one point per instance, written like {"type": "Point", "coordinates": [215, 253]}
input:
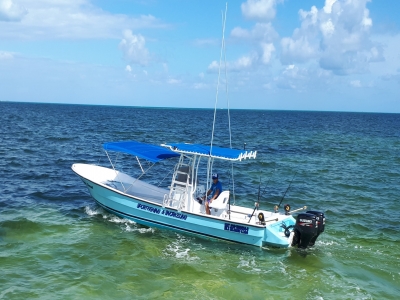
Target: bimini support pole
{"type": "Point", "coordinates": [140, 165]}
{"type": "Point", "coordinates": [116, 172]}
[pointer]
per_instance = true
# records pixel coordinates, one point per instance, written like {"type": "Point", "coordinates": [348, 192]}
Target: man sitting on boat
{"type": "Point", "coordinates": [215, 190]}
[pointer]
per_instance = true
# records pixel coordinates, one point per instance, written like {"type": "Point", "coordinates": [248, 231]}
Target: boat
{"type": "Point", "coordinates": [182, 206]}
{"type": "Point", "coordinates": [178, 207]}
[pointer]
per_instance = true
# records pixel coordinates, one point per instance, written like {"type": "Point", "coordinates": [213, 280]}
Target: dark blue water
{"type": "Point", "coordinates": [56, 243]}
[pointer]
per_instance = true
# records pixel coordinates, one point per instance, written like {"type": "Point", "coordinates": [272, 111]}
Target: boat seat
{"type": "Point", "coordinates": [221, 202]}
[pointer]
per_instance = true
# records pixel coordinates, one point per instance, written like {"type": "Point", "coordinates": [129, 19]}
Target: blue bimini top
{"type": "Point", "coordinates": [153, 153]}
{"type": "Point", "coordinates": [215, 152]}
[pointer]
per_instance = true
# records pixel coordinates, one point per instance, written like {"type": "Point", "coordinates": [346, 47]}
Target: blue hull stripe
{"type": "Point", "coordinates": [165, 225]}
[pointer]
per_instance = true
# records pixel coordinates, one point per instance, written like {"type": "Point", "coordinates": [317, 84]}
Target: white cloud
{"type": "Point", "coordinates": [297, 50]}
{"type": "Point", "coordinates": [261, 36]}
{"type": "Point", "coordinates": [173, 81]}
{"type": "Point", "coordinates": [260, 32]}
{"type": "Point", "coordinates": [309, 18]}
{"type": "Point", "coordinates": [66, 19]}
{"type": "Point", "coordinates": [134, 48]}
{"type": "Point", "coordinates": [303, 78]}
{"type": "Point", "coordinates": [241, 33]}
{"type": "Point", "coordinates": [328, 6]}
{"type": "Point", "coordinates": [388, 59]}
{"type": "Point", "coordinates": [267, 49]}
{"type": "Point", "coordinates": [128, 68]}
{"type": "Point", "coordinates": [327, 28]}
{"type": "Point", "coordinates": [259, 9]}
{"type": "Point", "coordinates": [200, 86]}
{"type": "Point", "coordinates": [245, 62]}
{"type": "Point", "coordinates": [6, 55]}
{"type": "Point", "coordinates": [338, 36]}
{"type": "Point", "coordinates": [289, 78]}
{"type": "Point", "coordinates": [214, 66]}
{"type": "Point", "coordinates": [11, 11]}
{"type": "Point", "coordinates": [355, 83]}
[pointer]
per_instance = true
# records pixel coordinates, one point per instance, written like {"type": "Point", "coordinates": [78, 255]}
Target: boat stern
{"type": "Point", "coordinates": [278, 233]}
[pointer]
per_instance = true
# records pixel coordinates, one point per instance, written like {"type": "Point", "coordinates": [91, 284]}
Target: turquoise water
{"type": "Point", "coordinates": [56, 243]}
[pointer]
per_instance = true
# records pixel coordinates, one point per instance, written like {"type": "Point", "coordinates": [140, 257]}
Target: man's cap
{"type": "Point", "coordinates": [215, 176]}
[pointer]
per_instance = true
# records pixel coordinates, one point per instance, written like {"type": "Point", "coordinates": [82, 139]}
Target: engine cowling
{"type": "Point", "coordinates": [305, 230]}
{"type": "Point", "coordinates": [320, 222]}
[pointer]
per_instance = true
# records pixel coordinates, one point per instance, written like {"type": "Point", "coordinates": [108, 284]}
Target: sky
{"type": "Point", "coordinates": [323, 55]}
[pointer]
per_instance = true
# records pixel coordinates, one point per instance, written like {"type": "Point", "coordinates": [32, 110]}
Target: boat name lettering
{"type": "Point", "coordinates": [305, 221]}
{"type": "Point", "coordinates": [174, 214]}
{"type": "Point", "coordinates": [149, 208]}
{"type": "Point", "coordinates": [163, 212]}
{"type": "Point", "coordinates": [236, 228]}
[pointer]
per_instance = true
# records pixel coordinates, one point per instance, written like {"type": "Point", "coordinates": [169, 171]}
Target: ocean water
{"type": "Point", "coordinates": [56, 243]}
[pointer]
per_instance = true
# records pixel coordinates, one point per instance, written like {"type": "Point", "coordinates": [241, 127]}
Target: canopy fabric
{"type": "Point", "coordinates": [149, 152]}
{"type": "Point", "coordinates": [216, 152]}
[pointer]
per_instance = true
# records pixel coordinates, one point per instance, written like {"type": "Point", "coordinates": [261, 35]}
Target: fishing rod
{"type": "Point", "coordinates": [257, 204]}
{"type": "Point", "coordinates": [277, 206]}
{"type": "Point", "coordinates": [265, 188]}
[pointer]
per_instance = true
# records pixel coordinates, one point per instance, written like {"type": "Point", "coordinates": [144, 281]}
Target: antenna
{"type": "Point", "coordinates": [219, 74]}
{"type": "Point", "coordinates": [286, 190]}
{"type": "Point", "coordinates": [209, 164]}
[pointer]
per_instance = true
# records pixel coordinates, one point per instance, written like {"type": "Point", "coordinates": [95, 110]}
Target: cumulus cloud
{"type": "Point", "coordinates": [267, 50]}
{"type": "Point", "coordinates": [328, 6]}
{"type": "Point", "coordinates": [302, 78]}
{"type": "Point", "coordinates": [262, 35]}
{"type": "Point", "coordinates": [134, 48]}
{"type": "Point", "coordinates": [289, 78]}
{"type": "Point", "coordinates": [11, 11]}
{"type": "Point", "coordinates": [338, 36]}
{"type": "Point", "coordinates": [259, 9]}
{"type": "Point", "coordinates": [214, 66]}
{"type": "Point", "coordinates": [297, 50]}
{"type": "Point", "coordinates": [243, 62]}
{"type": "Point", "coordinates": [260, 32]}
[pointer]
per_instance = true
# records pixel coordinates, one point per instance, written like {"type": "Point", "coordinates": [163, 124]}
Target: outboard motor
{"type": "Point", "coordinates": [321, 224]}
{"type": "Point", "coordinates": [305, 230]}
